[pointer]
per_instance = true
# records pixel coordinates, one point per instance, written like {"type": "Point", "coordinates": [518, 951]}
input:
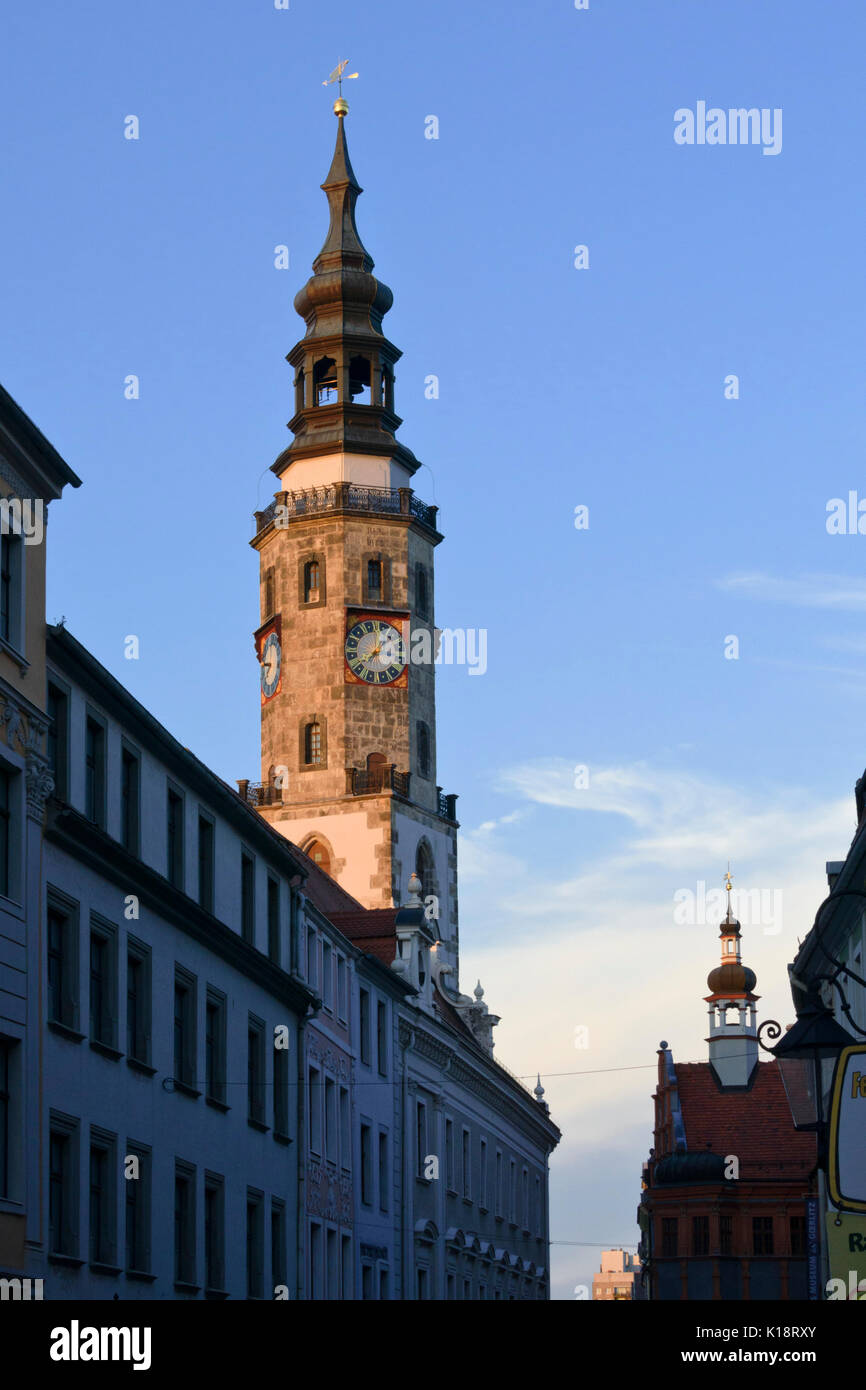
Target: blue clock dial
{"type": "Point", "coordinates": [272, 660]}
{"type": "Point", "coordinates": [374, 652]}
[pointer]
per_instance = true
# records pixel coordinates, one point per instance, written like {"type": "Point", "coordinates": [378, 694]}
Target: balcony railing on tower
{"type": "Point", "coordinates": [381, 777]}
{"type": "Point", "coordinates": [346, 497]}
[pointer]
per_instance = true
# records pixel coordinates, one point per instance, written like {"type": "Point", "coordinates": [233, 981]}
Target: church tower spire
{"type": "Point", "coordinates": [346, 637]}
{"type": "Point", "coordinates": [344, 364]}
{"type": "Point", "coordinates": [733, 1040]}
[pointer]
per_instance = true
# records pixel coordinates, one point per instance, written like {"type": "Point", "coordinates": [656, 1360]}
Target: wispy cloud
{"type": "Point", "coordinates": [838, 592]}
{"type": "Point", "coordinates": [595, 946]}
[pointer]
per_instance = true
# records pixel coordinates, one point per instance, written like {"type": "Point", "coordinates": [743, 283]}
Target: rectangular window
{"type": "Point", "coordinates": [725, 1234]}
{"type": "Point", "coordinates": [205, 863]}
{"type": "Point", "coordinates": [421, 1275]}
{"type": "Point", "coordinates": [214, 1232]}
{"type": "Point", "coordinates": [137, 1203]}
{"type": "Point", "coordinates": [798, 1236]}
{"type": "Point", "coordinates": [174, 833]}
{"type": "Point", "coordinates": [184, 1223]}
{"type": "Point", "coordinates": [498, 1180]}
{"type": "Point", "coordinates": [138, 1000]}
{"type": "Point", "coordinates": [331, 1236]}
{"type": "Point", "coordinates": [94, 772]}
{"type": "Point", "coordinates": [421, 1137]}
{"type": "Point", "coordinates": [364, 1026]}
{"type": "Point", "coordinates": [700, 1235]}
{"type": "Point", "coordinates": [312, 959]}
{"type": "Point", "coordinates": [762, 1235]}
{"type": "Point", "coordinates": [184, 1027]}
{"type": "Point", "coordinates": [342, 990]}
{"type": "Point", "coordinates": [327, 976]}
{"type": "Point", "coordinates": [366, 1164]}
{"type": "Point", "coordinates": [58, 740]}
{"type": "Point", "coordinates": [316, 1262]}
{"type": "Point", "coordinates": [255, 1245]}
{"type": "Point", "coordinates": [466, 1165]}
{"type": "Point", "coordinates": [130, 799]}
{"type": "Point", "coordinates": [215, 1046]}
{"type": "Point", "coordinates": [62, 964]}
{"type": "Point", "coordinates": [256, 1070]}
{"type": "Point", "coordinates": [384, 1174]}
{"type": "Point", "coordinates": [346, 1269]}
{"type": "Point", "coordinates": [315, 1090]}
{"type": "Point", "coordinates": [279, 1265]}
{"type": "Point", "coordinates": [6, 839]}
{"type": "Point", "coordinates": [450, 1179]}
{"type": "Point", "coordinates": [274, 919]}
{"type": "Point", "coordinates": [382, 1038]}
{"type": "Point", "coordinates": [670, 1236]}
{"type": "Point", "coordinates": [482, 1175]}
{"type": "Point", "coordinates": [103, 983]}
{"type": "Point", "coordinates": [248, 899]}
{"type": "Point", "coordinates": [330, 1119]}
{"type": "Point", "coordinates": [512, 1193]}
{"type": "Point", "coordinates": [5, 1115]}
{"type": "Point", "coordinates": [345, 1130]}
{"type": "Point", "coordinates": [383, 1284]}
{"type": "Point", "coordinates": [11, 586]}
{"type": "Point", "coordinates": [281, 1091]}
{"type": "Point", "coordinates": [63, 1186]}
{"type": "Point", "coordinates": [103, 1206]}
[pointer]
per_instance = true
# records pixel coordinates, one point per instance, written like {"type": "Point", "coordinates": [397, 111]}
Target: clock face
{"type": "Point", "coordinates": [375, 652]}
{"type": "Point", "coordinates": [272, 658]}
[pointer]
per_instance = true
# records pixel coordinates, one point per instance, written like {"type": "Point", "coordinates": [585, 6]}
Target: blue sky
{"type": "Point", "coordinates": [558, 387]}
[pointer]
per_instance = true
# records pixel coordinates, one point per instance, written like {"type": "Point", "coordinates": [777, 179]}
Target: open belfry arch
{"type": "Point", "coordinates": [346, 552]}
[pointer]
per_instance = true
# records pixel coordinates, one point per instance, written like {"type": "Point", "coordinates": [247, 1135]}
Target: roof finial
{"type": "Point", "coordinates": [339, 74]}
{"type": "Point", "coordinates": [728, 886]}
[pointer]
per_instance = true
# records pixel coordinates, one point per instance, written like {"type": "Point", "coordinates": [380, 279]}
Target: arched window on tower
{"type": "Point", "coordinates": [311, 581]}
{"type": "Point", "coordinates": [422, 597]}
{"type": "Point", "coordinates": [424, 868]}
{"type": "Point", "coordinates": [319, 855]}
{"type": "Point", "coordinates": [423, 733]}
{"type": "Point", "coordinates": [325, 381]}
{"type": "Point", "coordinates": [312, 743]}
{"type": "Point", "coordinates": [359, 381]}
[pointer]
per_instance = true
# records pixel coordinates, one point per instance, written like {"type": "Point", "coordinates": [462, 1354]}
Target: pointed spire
{"type": "Point", "coordinates": [343, 245]}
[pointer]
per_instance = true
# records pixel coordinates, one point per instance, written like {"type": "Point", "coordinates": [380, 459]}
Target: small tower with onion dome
{"type": "Point", "coordinates": [733, 1039]}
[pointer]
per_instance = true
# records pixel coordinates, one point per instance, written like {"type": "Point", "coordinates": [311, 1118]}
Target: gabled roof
{"type": "Point", "coordinates": [755, 1125]}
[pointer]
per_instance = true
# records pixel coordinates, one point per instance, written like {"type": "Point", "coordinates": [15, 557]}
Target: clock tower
{"type": "Point", "coordinates": [346, 640]}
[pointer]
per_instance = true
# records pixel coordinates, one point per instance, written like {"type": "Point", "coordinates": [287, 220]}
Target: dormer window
{"type": "Point", "coordinates": [325, 390]}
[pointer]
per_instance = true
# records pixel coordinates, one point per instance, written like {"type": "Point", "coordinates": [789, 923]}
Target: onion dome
{"type": "Point", "coordinates": [732, 978]}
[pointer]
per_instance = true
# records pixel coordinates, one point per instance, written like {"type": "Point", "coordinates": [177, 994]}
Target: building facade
{"type": "Point", "coordinates": [723, 1211]}
{"type": "Point", "coordinates": [618, 1279]}
{"type": "Point", "coordinates": [32, 475]}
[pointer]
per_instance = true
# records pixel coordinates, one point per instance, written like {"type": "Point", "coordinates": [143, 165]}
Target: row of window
{"type": "Point", "coordinates": [130, 821]}
{"type": "Point", "coordinates": [505, 1189]}
{"type": "Point", "coordinates": [762, 1236]}
{"type": "Point", "coordinates": [314, 751]}
{"type": "Point", "coordinates": [105, 1023]}
{"type": "Point", "coordinates": [375, 585]}
{"type": "Point", "coordinates": [133, 1171]}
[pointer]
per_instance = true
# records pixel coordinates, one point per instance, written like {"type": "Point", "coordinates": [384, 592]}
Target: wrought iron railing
{"type": "Point", "coordinates": [447, 803]}
{"type": "Point", "coordinates": [382, 777]}
{"type": "Point", "coordinates": [260, 793]}
{"type": "Point", "coordinates": [347, 497]}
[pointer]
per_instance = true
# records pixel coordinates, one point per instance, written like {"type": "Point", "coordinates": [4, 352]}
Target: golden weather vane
{"type": "Point", "coordinates": [339, 75]}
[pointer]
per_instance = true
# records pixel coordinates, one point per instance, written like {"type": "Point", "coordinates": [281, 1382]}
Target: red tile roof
{"type": "Point", "coordinates": [755, 1125]}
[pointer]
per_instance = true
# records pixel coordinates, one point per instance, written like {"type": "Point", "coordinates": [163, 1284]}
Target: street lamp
{"type": "Point", "coordinates": [807, 1057]}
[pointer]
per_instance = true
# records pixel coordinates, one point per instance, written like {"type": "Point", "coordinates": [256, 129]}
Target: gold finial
{"type": "Point", "coordinates": [728, 879]}
{"type": "Point", "coordinates": [339, 75]}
